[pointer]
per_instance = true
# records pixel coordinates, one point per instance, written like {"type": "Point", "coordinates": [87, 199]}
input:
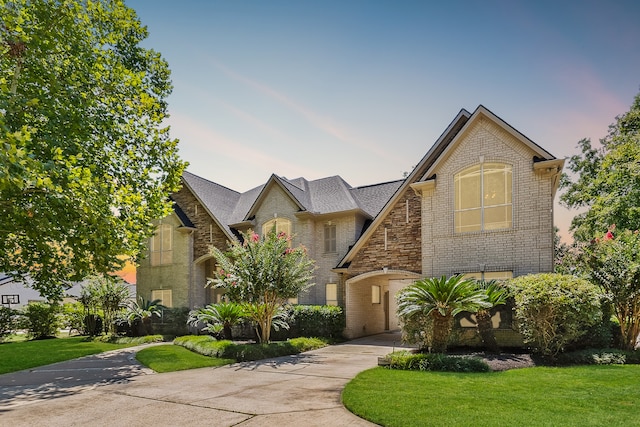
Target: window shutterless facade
{"type": "Point", "coordinates": [329, 238]}
{"type": "Point", "coordinates": [161, 245]}
{"type": "Point", "coordinates": [164, 295]}
{"type": "Point", "coordinates": [483, 198]}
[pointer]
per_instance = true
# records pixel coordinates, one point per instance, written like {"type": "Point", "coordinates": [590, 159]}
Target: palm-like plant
{"type": "Point", "coordinates": [143, 311]}
{"type": "Point", "coordinates": [495, 295]}
{"type": "Point", "coordinates": [216, 317]}
{"type": "Point", "coordinates": [441, 299]}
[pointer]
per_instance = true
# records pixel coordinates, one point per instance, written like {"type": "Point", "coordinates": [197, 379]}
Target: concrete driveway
{"type": "Point", "coordinates": [287, 391]}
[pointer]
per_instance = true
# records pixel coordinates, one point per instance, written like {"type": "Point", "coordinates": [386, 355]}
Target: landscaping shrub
{"type": "Point", "coordinates": [73, 315]}
{"type": "Point", "coordinates": [226, 349]}
{"type": "Point", "coordinates": [324, 321]}
{"type": "Point", "coordinates": [172, 322]}
{"type": "Point", "coordinates": [319, 320]}
{"type": "Point", "coordinates": [7, 322]}
{"type": "Point", "coordinates": [608, 356]}
{"type": "Point", "coordinates": [114, 339]}
{"type": "Point", "coordinates": [554, 310]}
{"type": "Point", "coordinates": [406, 360]}
{"type": "Point", "coordinates": [41, 320]}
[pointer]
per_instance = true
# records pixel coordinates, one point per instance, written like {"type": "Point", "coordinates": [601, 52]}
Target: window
{"type": "Point", "coordinates": [329, 238]}
{"type": "Point", "coordinates": [331, 294]}
{"type": "Point", "coordinates": [164, 295]}
{"type": "Point", "coordinates": [281, 225]}
{"type": "Point", "coordinates": [375, 294]}
{"type": "Point", "coordinates": [292, 301]}
{"type": "Point", "coordinates": [483, 198]}
{"type": "Point", "coordinates": [489, 275]}
{"type": "Point", "coordinates": [161, 245]}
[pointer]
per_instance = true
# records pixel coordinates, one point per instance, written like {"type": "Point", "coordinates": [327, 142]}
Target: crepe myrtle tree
{"type": "Point", "coordinates": [262, 273]}
{"type": "Point", "coordinates": [613, 263]}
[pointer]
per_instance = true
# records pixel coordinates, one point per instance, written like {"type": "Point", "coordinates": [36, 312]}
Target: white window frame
{"type": "Point", "coordinates": [482, 170]}
{"type": "Point", "coordinates": [282, 225]}
{"type": "Point", "coordinates": [376, 296]}
{"type": "Point", "coordinates": [330, 238]}
{"type": "Point", "coordinates": [161, 245]}
{"type": "Point", "coordinates": [331, 294]}
{"type": "Point", "coordinates": [164, 295]}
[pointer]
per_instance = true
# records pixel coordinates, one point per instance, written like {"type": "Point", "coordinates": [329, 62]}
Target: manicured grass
{"type": "Point", "coordinates": [16, 356]}
{"type": "Point", "coordinates": [541, 396]}
{"type": "Point", "coordinates": [169, 358]}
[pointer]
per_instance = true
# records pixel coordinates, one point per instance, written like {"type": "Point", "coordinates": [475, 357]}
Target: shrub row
{"type": "Point", "coordinates": [313, 321]}
{"type": "Point", "coordinates": [608, 356]}
{"type": "Point", "coordinates": [226, 349]}
{"type": "Point", "coordinates": [405, 360]}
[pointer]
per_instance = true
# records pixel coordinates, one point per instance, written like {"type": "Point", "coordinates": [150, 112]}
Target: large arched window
{"type": "Point", "coordinates": [483, 198]}
{"type": "Point", "coordinates": [281, 225]}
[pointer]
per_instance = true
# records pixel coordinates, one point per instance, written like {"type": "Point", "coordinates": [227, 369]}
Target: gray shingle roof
{"type": "Point", "coordinates": [322, 196]}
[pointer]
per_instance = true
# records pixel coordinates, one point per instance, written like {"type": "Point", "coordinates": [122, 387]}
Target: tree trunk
{"type": "Point", "coordinates": [226, 331]}
{"type": "Point", "coordinates": [485, 328]}
{"type": "Point", "coordinates": [442, 326]}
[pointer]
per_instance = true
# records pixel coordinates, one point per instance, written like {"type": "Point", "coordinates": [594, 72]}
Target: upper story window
{"type": "Point", "coordinates": [483, 198]}
{"type": "Point", "coordinates": [161, 246]}
{"type": "Point", "coordinates": [281, 225]}
{"type": "Point", "coordinates": [330, 238]}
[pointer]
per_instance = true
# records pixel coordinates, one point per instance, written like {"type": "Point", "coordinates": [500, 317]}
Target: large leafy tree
{"type": "Point", "coordinates": [613, 262]}
{"type": "Point", "coordinates": [606, 179]}
{"type": "Point", "coordinates": [440, 299]}
{"type": "Point", "coordinates": [263, 274]}
{"type": "Point", "coordinates": [85, 162]}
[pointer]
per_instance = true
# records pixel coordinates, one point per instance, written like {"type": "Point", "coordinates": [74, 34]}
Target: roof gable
{"type": "Point", "coordinates": [423, 171]}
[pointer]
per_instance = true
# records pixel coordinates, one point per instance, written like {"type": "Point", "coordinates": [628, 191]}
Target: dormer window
{"type": "Point", "coordinates": [483, 198]}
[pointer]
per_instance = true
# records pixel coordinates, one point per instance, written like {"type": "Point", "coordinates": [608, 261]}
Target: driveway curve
{"type": "Point", "coordinates": [287, 391]}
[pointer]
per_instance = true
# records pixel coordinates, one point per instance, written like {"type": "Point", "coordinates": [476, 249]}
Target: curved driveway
{"type": "Point", "coordinates": [113, 390]}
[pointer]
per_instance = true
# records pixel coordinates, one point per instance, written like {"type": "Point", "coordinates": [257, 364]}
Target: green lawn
{"type": "Point", "coordinates": [169, 358]}
{"type": "Point", "coordinates": [16, 356]}
{"type": "Point", "coordinates": [542, 396]}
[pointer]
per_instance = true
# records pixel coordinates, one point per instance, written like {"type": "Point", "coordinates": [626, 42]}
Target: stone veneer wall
{"type": "Point", "coordinates": [207, 232]}
{"type": "Point", "coordinates": [404, 251]}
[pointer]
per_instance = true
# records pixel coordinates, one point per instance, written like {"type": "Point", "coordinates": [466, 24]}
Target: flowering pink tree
{"type": "Point", "coordinates": [262, 274]}
{"type": "Point", "coordinates": [613, 262]}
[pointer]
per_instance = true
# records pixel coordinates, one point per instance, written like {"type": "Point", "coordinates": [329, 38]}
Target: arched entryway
{"type": "Point", "coordinates": [202, 295]}
{"type": "Point", "coordinates": [370, 301]}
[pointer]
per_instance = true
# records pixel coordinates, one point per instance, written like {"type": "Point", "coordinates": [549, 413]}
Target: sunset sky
{"type": "Point", "coordinates": [362, 89]}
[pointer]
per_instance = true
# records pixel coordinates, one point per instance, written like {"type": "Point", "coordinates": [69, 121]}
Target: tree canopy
{"type": "Point", "coordinates": [85, 161]}
{"type": "Point", "coordinates": [606, 180]}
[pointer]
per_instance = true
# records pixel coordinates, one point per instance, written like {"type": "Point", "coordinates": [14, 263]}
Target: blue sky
{"type": "Point", "coordinates": [362, 89]}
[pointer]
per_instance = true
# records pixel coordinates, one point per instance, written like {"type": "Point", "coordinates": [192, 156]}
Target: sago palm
{"type": "Point", "coordinates": [496, 295]}
{"type": "Point", "coordinates": [216, 317]}
{"type": "Point", "coordinates": [441, 299]}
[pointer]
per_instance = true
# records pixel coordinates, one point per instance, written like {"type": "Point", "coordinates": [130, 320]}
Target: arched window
{"type": "Point", "coordinates": [161, 246]}
{"type": "Point", "coordinates": [281, 225]}
{"type": "Point", "coordinates": [483, 198]}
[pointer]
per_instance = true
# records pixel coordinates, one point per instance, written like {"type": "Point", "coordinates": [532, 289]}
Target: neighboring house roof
{"type": "Point", "coordinates": [424, 169]}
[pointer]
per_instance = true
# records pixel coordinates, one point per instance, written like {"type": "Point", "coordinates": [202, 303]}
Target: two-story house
{"type": "Point", "coordinates": [480, 202]}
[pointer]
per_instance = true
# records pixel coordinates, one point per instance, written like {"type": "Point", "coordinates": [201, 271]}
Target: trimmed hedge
{"type": "Point", "coordinates": [209, 346]}
{"type": "Point", "coordinates": [405, 360]}
{"type": "Point", "coordinates": [324, 321]}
